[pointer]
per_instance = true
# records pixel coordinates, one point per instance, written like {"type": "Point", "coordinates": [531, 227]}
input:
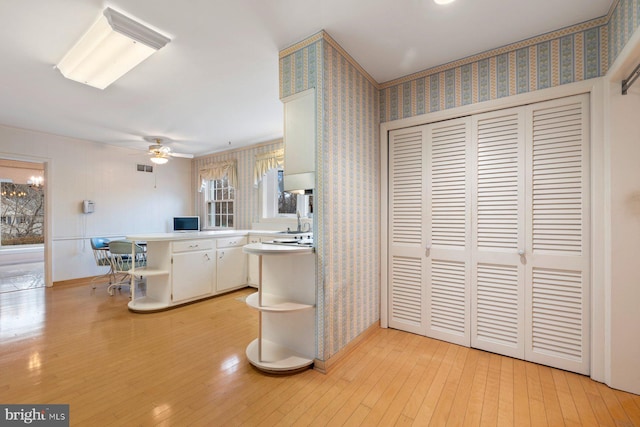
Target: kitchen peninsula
{"type": "Point", "coordinates": [186, 267]}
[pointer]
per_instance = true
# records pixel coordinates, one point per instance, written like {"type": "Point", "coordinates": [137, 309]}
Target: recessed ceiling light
{"type": "Point", "coordinates": [443, 1]}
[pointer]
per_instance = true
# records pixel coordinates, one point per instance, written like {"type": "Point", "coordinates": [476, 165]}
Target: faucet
{"type": "Point", "coordinates": [299, 223]}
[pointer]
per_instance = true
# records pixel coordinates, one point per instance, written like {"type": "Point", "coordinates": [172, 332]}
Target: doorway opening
{"type": "Point", "coordinates": [22, 218]}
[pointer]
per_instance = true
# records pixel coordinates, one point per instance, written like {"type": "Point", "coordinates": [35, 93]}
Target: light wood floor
{"type": "Point", "coordinates": [187, 367]}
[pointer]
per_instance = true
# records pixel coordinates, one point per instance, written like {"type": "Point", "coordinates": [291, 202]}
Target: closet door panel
{"type": "Point", "coordinates": [447, 224]}
{"type": "Point", "coordinates": [406, 218]}
{"type": "Point", "coordinates": [557, 257]}
{"type": "Point", "coordinates": [497, 291]}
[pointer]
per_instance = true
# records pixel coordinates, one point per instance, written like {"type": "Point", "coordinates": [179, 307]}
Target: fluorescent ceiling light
{"type": "Point", "coordinates": [113, 45]}
{"type": "Point", "coordinates": [443, 1]}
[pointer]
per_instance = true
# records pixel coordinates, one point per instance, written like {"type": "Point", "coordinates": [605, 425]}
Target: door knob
{"type": "Point", "coordinates": [521, 252]}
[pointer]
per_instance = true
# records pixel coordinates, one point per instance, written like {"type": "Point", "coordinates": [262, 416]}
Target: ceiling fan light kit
{"type": "Point", "coordinates": [159, 153]}
{"type": "Point", "coordinates": [159, 159]}
{"type": "Point", "coordinates": [113, 46]}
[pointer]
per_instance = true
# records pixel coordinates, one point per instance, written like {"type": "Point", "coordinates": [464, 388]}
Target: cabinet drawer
{"type": "Point", "coordinates": [229, 242]}
{"type": "Point", "coordinates": [192, 245]}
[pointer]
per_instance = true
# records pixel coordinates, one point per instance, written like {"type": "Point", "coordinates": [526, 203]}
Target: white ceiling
{"type": "Point", "coordinates": [217, 80]}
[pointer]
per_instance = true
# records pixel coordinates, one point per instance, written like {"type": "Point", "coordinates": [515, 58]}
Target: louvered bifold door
{"type": "Point", "coordinates": [406, 248]}
{"type": "Point", "coordinates": [497, 273]}
{"type": "Point", "coordinates": [557, 257]}
{"type": "Point", "coordinates": [448, 237]}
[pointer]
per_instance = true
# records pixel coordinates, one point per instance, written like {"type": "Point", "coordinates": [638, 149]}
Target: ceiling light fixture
{"type": "Point", "coordinates": [443, 1]}
{"type": "Point", "coordinates": [159, 159]}
{"type": "Point", "coordinates": [113, 45]}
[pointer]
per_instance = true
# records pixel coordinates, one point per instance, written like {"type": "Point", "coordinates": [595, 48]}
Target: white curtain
{"type": "Point", "coordinates": [219, 170]}
{"type": "Point", "coordinates": [265, 162]}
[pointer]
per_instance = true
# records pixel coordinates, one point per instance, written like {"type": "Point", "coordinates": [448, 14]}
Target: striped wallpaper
{"type": "Point", "coordinates": [352, 106]}
{"type": "Point", "coordinates": [572, 54]}
{"type": "Point", "coordinates": [347, 195]}
{"type": "Point", "coordinates": [246, 203]}
{"type": "Point", "coordinates": [565, 56]}
{"type": "Point", "coordinates": [623, 20]}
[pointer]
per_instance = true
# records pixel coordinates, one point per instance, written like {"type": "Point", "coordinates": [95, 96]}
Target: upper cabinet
{"type": "Point", "coordinates": [300, 141]}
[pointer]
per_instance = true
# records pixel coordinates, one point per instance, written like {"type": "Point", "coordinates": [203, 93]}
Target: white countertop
{"type": "Point", "coordinates": [162, 237]}
{"type": "Point", "coordinates": [268, 249]}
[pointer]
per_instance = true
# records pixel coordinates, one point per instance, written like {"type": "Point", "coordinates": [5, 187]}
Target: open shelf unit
{"type": "Point", "coordinates": [286, 307]}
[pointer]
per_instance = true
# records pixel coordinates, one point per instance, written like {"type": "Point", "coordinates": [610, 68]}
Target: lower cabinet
{"type": "Point", "coordinates": [231, 264]}
{"type": "Point", "coordinates": [193, 274]}
{"type": "Point", "coordinates": [252, 262]}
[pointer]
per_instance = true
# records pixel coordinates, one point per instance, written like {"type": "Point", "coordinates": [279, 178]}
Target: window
{"type": "Point", "coordinates": [21, 214]}
{"type": "Point", "coordinates": [279, 203]}
{"type": "Point", "coordinates": [219, 201]}
{"type": "Point", "coordinates": [287, 202]}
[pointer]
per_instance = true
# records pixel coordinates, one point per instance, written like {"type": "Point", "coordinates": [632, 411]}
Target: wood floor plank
{"type": "Point", "coordinates": [433, 364]}
{"type": "Point", "coordinates": [366, 384]}
{"type": "Point", "coordinates": [550, 396]}
{"type": "Point", "coordinates": [386, 409]}
{"type": "Point", "coordinates": [446, 398]}
{"type": "Point", "coordinates": [631, 404]}
{"type": "Point", "coordinates": [461, 399]}
{"type": "Point", "coordinates": [506, 393]}
{"type": "Point", "coordinates": [394, 415]}
{"type": "Point", "coordinates": [491, 393]}
{"type": "Point", "coordinates": [581, 400]}
{"type": "Point", "coordinates": [188, 366]}
{"type": "Point", "coordinates": [536, 397]}
{"type": "Point", "coordinates": [428, 406]}
{"type": "Point", "coordinates": [567, 404]}
{"type": "Point", "coordinates": [614, 407]}
{"type": "Point", "coordinates": [598, 405]}
{"type": "Point", "coordinates": [473, 414]}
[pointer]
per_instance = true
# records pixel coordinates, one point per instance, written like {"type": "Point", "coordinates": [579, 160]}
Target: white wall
{"type": "Point", "coordinates": [624, 316]}
{"type": "Point", "coordinates": [126, 201]}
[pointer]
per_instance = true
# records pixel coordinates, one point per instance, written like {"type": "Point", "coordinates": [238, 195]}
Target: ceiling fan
{"type": "Point", "coordinates": [160, 153]}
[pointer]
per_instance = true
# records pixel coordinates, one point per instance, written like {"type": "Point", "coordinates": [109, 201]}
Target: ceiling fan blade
{"type": "Point", "coordinates": [186, 156]}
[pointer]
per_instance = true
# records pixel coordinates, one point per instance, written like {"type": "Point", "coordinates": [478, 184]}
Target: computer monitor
{"type": "Point", "coordinates": [186, 223]}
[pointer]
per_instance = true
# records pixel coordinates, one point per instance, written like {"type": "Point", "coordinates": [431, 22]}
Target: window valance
{"type": "Point", "coordinates": [219, 170]}
{"type": "Point", "coordinates": [265, 162]}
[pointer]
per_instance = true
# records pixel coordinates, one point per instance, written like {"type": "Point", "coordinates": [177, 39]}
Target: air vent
{"type": "Point", "coordinates": [145, 168]}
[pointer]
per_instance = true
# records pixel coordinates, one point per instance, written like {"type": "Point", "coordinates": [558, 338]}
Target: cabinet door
{"type": "Point", "coordinates": [192, 275]}
{"type": "Point", "coordinates": [232, 269]}
{"type": "Point", "coordinates": [252, 279]}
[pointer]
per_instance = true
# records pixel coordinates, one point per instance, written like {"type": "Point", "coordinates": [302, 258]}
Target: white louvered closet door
{"type": "Point", "coordinates": [557, 254]}
{"type": "Point", "coordinates": [447, 226]}
{"type": "Point", "coordinates": [407, 150]}
{"type": "Point", "coordinates": [497, 273]}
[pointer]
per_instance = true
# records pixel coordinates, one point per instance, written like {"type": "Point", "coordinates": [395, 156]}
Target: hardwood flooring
{"type": "Point", "coordinates": [187, 366]}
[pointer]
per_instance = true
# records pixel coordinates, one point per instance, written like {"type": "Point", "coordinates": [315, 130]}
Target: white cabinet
{"type": "Point", "coordinates": [300, 140]}
{"type": "Point", "coordinates": [192, 270]}
{"type": "Point", "coordinates": [231, 264]}
{"type": "Point", "coordinates": [252, 279]}
{"type": "Point", "coordinates": [286, 304]}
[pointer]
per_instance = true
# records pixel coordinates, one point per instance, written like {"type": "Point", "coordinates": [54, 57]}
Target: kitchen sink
{"type": "Point", "coordinates": [293, 232]}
